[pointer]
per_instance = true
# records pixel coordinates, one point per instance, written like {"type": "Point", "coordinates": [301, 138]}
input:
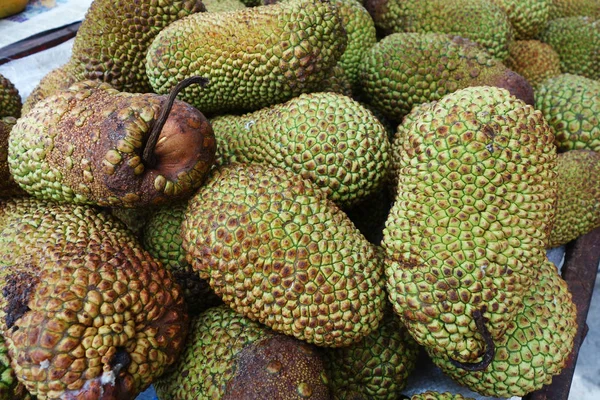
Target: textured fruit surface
{"type": "Point", "coordinates": [10, 101]}
{"type": "Point", "coordinates": [84, 310]}
{"type": "Point", "coordinates": [527, 17]}
{"type": "Point", "coordinates": [473, 209]}
{"type": "Point", "coordinates": [578, 205]}
{"type": "Point", "coordinates": [376, 367]}
{"type": "Point", "coordinates": [8, 380]}
{"type": "Point", "coordinates": [113, 39]}
{"type": "Point", "coordinates": [8, 187]}
{"type": "Point", "coordinates": [328, 138]}
{"type": "Point", "coordinates": [276, 250]}
{"type": "Point", "coordinates": [431, 395]}
{"type": "Point", "coordinates": [226, 352]}
{"type": "Point", "coordinates": [85, 145]}
{"type": "Point", "coordinates": [574, 8]}
{"type": "Point", "coordinates": [571, 105]}
{"type": "Point", "coordinates": [406, 69]}
{"type": "Point", "coordinates": [536, 345]}
{"type": "Point", "coordinates": [223, 5]}
{"type": "Point", "coordinates": [253, 58]}
{"type": "Point", "coordinates": [533, 60]}
{"type": "Point", "coordinates": [58, 79]}
{"type": "Point", "coordinates": [478, 20]}
{"type": "Point", "coordinates": [576, 40]}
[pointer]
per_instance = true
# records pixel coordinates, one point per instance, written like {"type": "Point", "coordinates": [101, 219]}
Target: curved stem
{"type": "Point", "coordinates": [490, 348]}
{"type": "Point", "coordinates": [148, 154]}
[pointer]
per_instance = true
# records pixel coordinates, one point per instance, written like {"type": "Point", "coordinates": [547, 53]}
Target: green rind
{"type": "Point", "coordinates": [10, 100]}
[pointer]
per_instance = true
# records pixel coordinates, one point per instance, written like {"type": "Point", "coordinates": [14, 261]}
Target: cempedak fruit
{"type": "Point", "coordinates": [533, 60]}
{"type": "Point", "coordinates": [527, 17]}
{"type": "Point", "coordinates": [432, 395]}
{"type": "Point", "coordinates": [8, 187]}
{"type": "Point", "coordinates": [10, 101]}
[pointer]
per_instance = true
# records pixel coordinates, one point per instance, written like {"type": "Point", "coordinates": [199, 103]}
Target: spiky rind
{"type": "Point", "coordinates": [432, 395]}
{"type": "Point", "coordinates": [8, 187]}
{"type": "Point", "coordinates": [58, 79]}
{"type": "Point", "coordinates": [534, 60]}
{"type": "Point", "coordinates": [574, 8]}
{"type": "Point", "coordinates": [527, 17]}
{"type": "Point", "coordinates": [10, 100]}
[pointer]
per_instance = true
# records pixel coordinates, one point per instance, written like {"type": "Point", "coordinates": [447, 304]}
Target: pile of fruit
{"type": "Point", "coordinates": [298, 199]}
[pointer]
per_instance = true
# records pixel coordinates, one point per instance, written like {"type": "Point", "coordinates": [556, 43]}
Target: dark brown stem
{"type": "Point", "coordinates": [148, 155]}
{"type": "Point", "coordinates": [490, 348]}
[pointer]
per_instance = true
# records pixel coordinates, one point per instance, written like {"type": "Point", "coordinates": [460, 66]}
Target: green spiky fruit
{"type": "Point", "coordinates": [527, 17]}
{"type": "Point", "coordinates": [406, 69]}
{"type": "Point", "coordinates": [574, 8]}
{"type": "Point", "coordinates": [231, 357]}
{"type": "Point", "coordinates": [480, 21]}
{"type": "Point", "coordinates": [83, 309]}
{"type": "Point", "coordinates": [431, 395]}
{"type": "Point", "coordinates": [276, 250]}
{"type": "Point", "coordinates": [375, 368]}
{"type": "Point", "coordinates": [58, 79]}
{"type": "Point", "coordinates": [578, 205]}
{"type": "Point", "coordinates": [223, 5]}
{"type": "Point", "coordinates": [162, 238]}
{"type": "Point", "coordinates": [10, 100]}
{"type": "Point", "coordinates": [326, 137]}
{"type": "Point", "coordinates": [535, 347]}
{"type": "Point", "coordinates": [87, 145]}
{"type": "Point", "coordinates": [571, 105]}
{"type": "Point", "coordinates": [473, 209]}
{"type": "Point", "coordinates": [576, 40]}
{"type": "Point", "coordinates": [252, 58]}
{"type": "Point", "coordinates": [8, 187]}
{"type": "Point", "coordinates": [533, 60]}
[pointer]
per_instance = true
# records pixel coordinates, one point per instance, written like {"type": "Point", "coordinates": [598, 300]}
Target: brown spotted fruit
{"type": "Point", "coordinates": [86, 312]}
{"type": "Point", "coordinates": [8, 187]}
{"type": "Point", "coordinates": [92, 144]}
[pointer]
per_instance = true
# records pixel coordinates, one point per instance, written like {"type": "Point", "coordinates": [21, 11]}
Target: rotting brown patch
{"type": "Point", "coordinates": [17, 290]}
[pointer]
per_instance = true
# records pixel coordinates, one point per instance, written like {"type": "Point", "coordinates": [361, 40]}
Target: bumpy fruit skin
{"type": "Point", "coordinates": [113, 39]}
{"type": "Point", "coordinates": [276, 250]}
{"type": "Point", "coordinates": [376, 367]}
{"type": "Point", "coordinates": [10, 101]}
{"type": "Point", "coordinates": [431, 395]}
{"type": "Point", "coordinates": [406, 69]}
{"type": "Point", "coordinates": [328, 138]}
{"type": "Point", "coordinates": [578, 205]}
{"type": "Point", "coordinates": [8, 187]}
{"type": "Point", "coordinates": [473, 209]}
{"type": "Point", "coordinates": [480, 21]}
{"type": "Point", "coordinates": [223, 5]}
{"type": "Point", "coordinates": [57, 79]}
{"type": "Point", "coordinates": [527, 17]}
{"type": "Point", "coordinates": [86, 313]}
{"type": "Point", "coordinates": [571, 105]}
{"type": "Point", "coordinates": [574, 8]}
{"type": "Point", "coordinates": [533, 60]}
{"type": "Point", "coordinates": [161, 236]}
{"type": "Point", "coordinates": [253, 58]}
{"type": "Point", "coordinates": [576, 40]}
{"type": "Point", "coordinates": [536, 345]}
{"type": "Point", "coordinates": [84, 145]}
{"type": "Point", "coordinates": [228, 356]}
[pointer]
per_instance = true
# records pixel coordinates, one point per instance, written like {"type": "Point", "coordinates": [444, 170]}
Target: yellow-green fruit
{"type": "Point", "coordinates": [480, 21]}
{"type": "Point", "coordinates": [8, 187]}
{"type": "Point", "coordinates": [326, 137]}
{"type": "Point", "coordinates": [571, 105]}
{"type": "Point", "coordinates": [162, 238]}
{"type": "Point", "coordinates": [578, 205]}
{"type": "Point", "coordinates": [223, 5]}
{"type": "Point", "coordinates": [337, 81]}
{"type": "Point", "coordinates": [276, 250]}
{"type": "Point", "coordinates": [87, 145]}
{"type": "Point", "coordinates": [252, 58]}
{"type": "Point", "coordinates": [473, 210]}
{"type": "Point", "coordinates": [431, 395]}
{"type": "Point", "coordinates": [535, 347]}
{"type": "Point", "coordinates": [527, 17]}
{"type": "Point", "coordinates": [576, 40]}
{"type": "Point", "coordinates": [10, 100]}
{"type": "Point", "coordinates": [406, 69]}
{"type": "Point", "coordinates": [113, 39]}
{"type": "Point", "coordinates": [230, 357]}
{"type": "Point", "coordinates": [57, 79]}
{"type": "Point", "coordinates": [574, 8]}
{"type": "Point", "coordinates": [84, 309]}
{"type": "Point", "coordinates": [375, 368]}
{"type": "Point", "coordinates": [10, 388]}
{"type": "Point", "coordinates": [533, 60]}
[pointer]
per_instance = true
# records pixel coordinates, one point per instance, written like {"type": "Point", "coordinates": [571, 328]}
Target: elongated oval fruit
{"type": "Point", "coordinates": [473, 210]}
{"type": "Point", "coordinates": [276, 250]}
{"type": "Point", "coordinates": [253, 58]}
{"type": "Point", "coordinates": [328, 138]}
{"type": "Point", "coordinates": [91, 144]}
{"type": "Point", "coordinates": [8, 187]}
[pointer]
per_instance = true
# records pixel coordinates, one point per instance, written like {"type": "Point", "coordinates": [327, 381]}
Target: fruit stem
{"type": "Point", "coordinates": [490, 349]}
{"type": "Point", "coordinates": [148, 155]}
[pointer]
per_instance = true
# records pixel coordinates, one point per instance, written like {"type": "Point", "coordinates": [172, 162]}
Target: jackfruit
{"type": "Point", "coordinates": [376, 367]}
{"type": "Point", "coordinates": [10, 100]}
{"type": "Point", "coordinates": [337, 81]}
{"type": "Point", "coordinates": [533, 60]}
{"type": "Point", "coordinates": [8, 187]}
{"type": "Point", "coordinates": [83, 309]}
{"type": "Point", "coordinates": [223, 5]}
{"type": "Point", "coordinates": [535, 347]}
{"type": "Point", "coordinates": [92, 144]}
{"type": "Point", "coordinates": [576, 40]}
{"type": "Point", "coordinates": [10, 388]}
{"type": "Point", "coordinates": [58, 79]}
{"type": "Point", "coordinates": [571, 105]}
{"type": "Point", "coordinates": [473, 210]}
{"type": "Point", "coordinates": [405, 69]}
{"type": "Point", "coordinates": [527, 17]}
{"type": "Point", "coordinates": [480, 21]}
{"type": "Point", "coordinates": [230, 357]}
{"type": "Point", "coordinates": [574, 8]}
{"type": "Point", "coordinates": [431, 395]}
{"type": "Point", "coordinates": [161, 236]}
{"type": "Point", "coordinates": [276, 250]}
{"type": "Point", "coordinates": [326, 137]}
{"type": "Point", "coordinates": [578, 205]}
{"type": "Point", "coordinates": [252, 58]}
